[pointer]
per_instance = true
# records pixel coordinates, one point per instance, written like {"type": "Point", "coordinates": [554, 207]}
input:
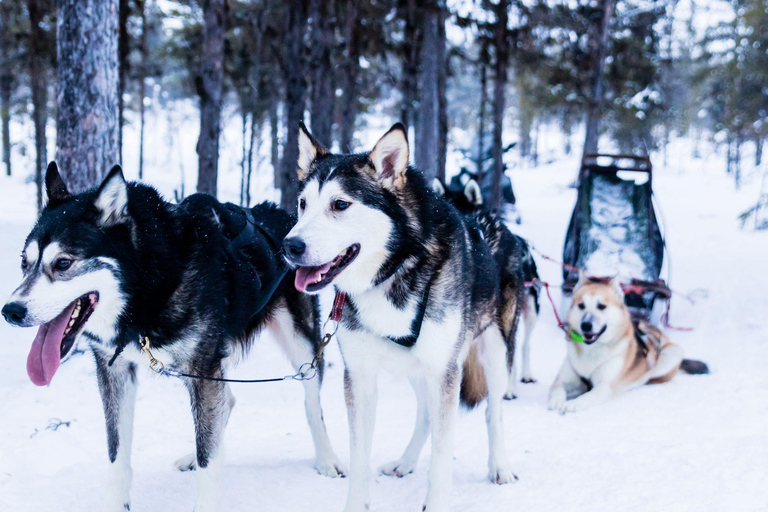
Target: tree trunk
{"type": "Point", "coordinates": [427, 133]}
{"type": "Point", "coordinates": [39, 86]}
{"type": "Point", "coordinates": [351, 68]}
{"type": "Point", "coordinates": [323, 94]}
{"type": "Point", "coordinates": [87, 72]}
{"type": "Point", "coordinates": [598, 46]}
{"type": "Point", "coordinates": [123, 50]}
{"type": "Point", "coordinates": [410, 64]}
{"type": "Point", "coordinates": [442, 102]}
{"type": "Point", "coordinates": [6, 87]}
{"type": "Point", "coordinates": [483, 62]}
{"type": "Point", "coordinates": [209, 87]}
{"type": "Point", "coordinates": [274, 129]}
{"type": "Point", "coordinates": [6, 80]}
{"type": "Point", "coordinates": [758, 151]}
{"type": "Point", "coordinates": [142, 85]}
{"type": "Point", "coordinates": [294, 103]}
{"type": "Point", "coordinates": [499, 84]}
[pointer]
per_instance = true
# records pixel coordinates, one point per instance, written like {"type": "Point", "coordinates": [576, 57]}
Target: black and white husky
{"type": "Point", "coordinates": [422, 300]}
{"type": "Point", "coordinates": [517, 273]}
{"type": "Point", "coordinates": [118, 263]}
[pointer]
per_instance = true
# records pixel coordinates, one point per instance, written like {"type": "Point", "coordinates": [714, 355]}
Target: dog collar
{"type": "Point", "coordinates": [575, 337]}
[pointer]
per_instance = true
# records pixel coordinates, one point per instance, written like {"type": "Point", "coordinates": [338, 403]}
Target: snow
{"type": "Point", "coordinates": [698, 443]}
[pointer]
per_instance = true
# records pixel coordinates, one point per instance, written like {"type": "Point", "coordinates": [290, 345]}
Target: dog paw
{"type": "Point", "coordinates": [528, 380]}
{"type": "Point", "coordinates": [510, 396]}
{"type": "Point", "coordinates": [398, 468]}
{"type": "Point", "coordinates": [557, 399]}
{"type": "Point", "coordinates": [571, 406]}
{"type": "Point", "coordinates": [186, 463]}
{"type": "Point", "coordinates": [116, 506]}
{"type": "Point", "coordinates": [501, 475]}
{"type": "Point", "coordinates": [330, 467]}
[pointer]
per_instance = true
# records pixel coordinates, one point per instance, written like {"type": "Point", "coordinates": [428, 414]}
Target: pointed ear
{"type": "Point", "coordinates": [438, 188]}
{"type": "Point", "coordinates": [390, 157]}
{"type": "Point", "coordinates": [616, 284]}
{"type": "Point", "coordinates": [583, 279]}
{"type": "Point", "coordinates": [55, 187]}
{"type": "Point", "coordinates": [473, 193]}
{"type": "Point", "coordinates": [309, 151]}
{"type": "Point", "coordinates": [112, 198]}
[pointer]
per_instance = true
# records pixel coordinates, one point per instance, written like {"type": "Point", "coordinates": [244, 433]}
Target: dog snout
{"type": "Point", "coordinates": [586, 327]}
{"type": "Point", "coordinates": [14, 313]}
{"type": "Point", "coordinates": [294, 247]}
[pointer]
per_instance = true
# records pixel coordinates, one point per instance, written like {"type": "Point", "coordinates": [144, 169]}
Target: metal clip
{"type": "Point", "coordinates": [155, 365]}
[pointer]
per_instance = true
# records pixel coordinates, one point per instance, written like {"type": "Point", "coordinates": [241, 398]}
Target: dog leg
{"type": "Point", "coordinates": [299, 351]}
{"type": "Point", "coordinates": [599, 394]}
{"type": "Point", "coordinates": [117, 385]}
{"type": "Point", "coordinates": [361, 391]}
{"type": "Point", "coordinates": [407, 463]}
{"type": "Point", "coordinates": [667, 364]}
{"type": "Point", "coordinates": [567, 380]}
{"type": "Point", "coordinates": [491, 352]}
{"type": "Point", "coordinates": [529, 319]}
{"type": "Point", "coordinates": [189, 461]}
{"type": "Point", "coordinates": [442, 394]}
{"type": "Point", "coordinates": [210, 408]}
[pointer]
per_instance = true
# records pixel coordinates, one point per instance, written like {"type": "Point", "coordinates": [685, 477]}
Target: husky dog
{"type": "Point", "coordinates": [117, 263]}
{"type": "Point", "coordinates": [608, 354]}
{"type": "Point", "coordinates": [517, 273]}
{"type": "Point", "coordinates": [422, 297]}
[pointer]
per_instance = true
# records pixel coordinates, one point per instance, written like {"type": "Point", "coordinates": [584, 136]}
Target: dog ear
{"type": "Point", "coordinates": [472, 193]}
{"type": "Point", "coordinates": [438, 187]}
{"type": "Point", "coordinates": [112, 199]}
{"type": "Point", "coordinates": [616, 282]}
{"type": "Point", "coordinates": [583, 279]}
{"type": "Point", "coordinates": [390, 157]}
{"type": "Point", "coordinates": [55, 187]}
{"type": "Point", "coordinates": [309, 151]}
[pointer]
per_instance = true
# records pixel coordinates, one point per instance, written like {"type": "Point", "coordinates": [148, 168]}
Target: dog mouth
{"type": "Point", "coordinates": [590, 338]}
{"type": "Point", "coordinates": [56, 338]}
{"type": "Point", "coordinates": [313, 279]}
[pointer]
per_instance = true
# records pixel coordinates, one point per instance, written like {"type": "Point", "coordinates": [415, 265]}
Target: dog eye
{"type": "Point", "coordinates": [340, 205]}
{"type": "Point", "coordinates": [600, 306]}
{"type": "Point", "coordinates": [24, 264]}
{"type": "Point", "coordinates": [62, 264]}
{"type": "Point", "coordinates": [581, 305]}
{"type": "Point", "coordinates": [302, 203]}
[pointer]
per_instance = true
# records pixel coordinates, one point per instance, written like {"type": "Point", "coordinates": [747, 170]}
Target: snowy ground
{"type": "Point", "coordinates": [695, 444]}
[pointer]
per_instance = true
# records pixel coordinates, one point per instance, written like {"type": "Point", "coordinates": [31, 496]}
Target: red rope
{"type": "Point", "coordinates": [560, 323]}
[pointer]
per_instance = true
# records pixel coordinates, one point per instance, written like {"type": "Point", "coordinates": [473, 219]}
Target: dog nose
{"type": "Point", "coordinates": [14, 313]}
{"type": "Point", "coordinates": [586, 326]}
{"type": "Point", "coordinates": [294, 246]}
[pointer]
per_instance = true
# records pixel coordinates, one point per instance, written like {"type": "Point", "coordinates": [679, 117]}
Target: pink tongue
{"type": "Point", "coordinates": [308, 275]}
{"type": "Point", "coordinates": [45, 354]}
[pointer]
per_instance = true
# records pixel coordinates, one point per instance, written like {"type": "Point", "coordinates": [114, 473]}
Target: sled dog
{"type": "Point", "coordinates": [517, 273]}
{"type": "Point", "coordinates": [418, 292]}
{"type": "Point", "coordinates": [199, 280]}
{"type": "Point", "coordinates": [609, 355]}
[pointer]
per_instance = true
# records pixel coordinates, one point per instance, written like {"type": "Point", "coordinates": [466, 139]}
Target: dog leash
{"type": "Point", "coordinates": [306, 371]}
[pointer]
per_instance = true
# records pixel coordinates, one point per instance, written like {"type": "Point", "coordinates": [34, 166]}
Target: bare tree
{"type": "Point", "coordinates": [209, 87]}
{"type": "Point", "coordinates": [39, 85]}
{"type": "Point", "coordinates": [294, 102]}
{"type": "Point", "coordinates": [598, 45]}
{"type": "Point", "coordinates": [428, 129]}
{"type": "Point", "coordinates": [323, 95]}
{"type": "Point", "coordinates": [7, 80]}
{"type": "Point", "coordinates": [142, 83]}
{"type": "Point", "coordinates": [87, 72]}
{"type": "Point", "coordinates": [499, 100]}
{"type": "Point", "coordinates": [123, 51]}
{"type": "Point", "coordinates": [351, 67]}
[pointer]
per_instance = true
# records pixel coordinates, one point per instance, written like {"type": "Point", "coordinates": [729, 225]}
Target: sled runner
{"type": "Point", "coordinates": [614, 229]}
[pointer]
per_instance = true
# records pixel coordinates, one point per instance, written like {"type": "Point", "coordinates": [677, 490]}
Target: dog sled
{"type": "Point", "coordinates": [614, 229]}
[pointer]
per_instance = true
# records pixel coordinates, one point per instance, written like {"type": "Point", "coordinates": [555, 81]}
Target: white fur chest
{"type": "Point", "coordinates": [586, 362]}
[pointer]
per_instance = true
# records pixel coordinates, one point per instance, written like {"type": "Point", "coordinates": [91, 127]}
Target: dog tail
{"type": "Point", "coordinates": [473, 386]}
{"type": "Point", "coordinates": [694, 367]}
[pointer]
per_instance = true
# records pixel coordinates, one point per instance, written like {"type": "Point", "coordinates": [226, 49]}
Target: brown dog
{"type": "Point", "coordinates": [607, 353]}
